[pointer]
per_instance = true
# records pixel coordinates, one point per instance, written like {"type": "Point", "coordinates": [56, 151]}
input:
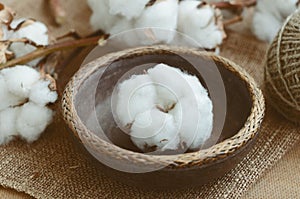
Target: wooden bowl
{"type": "Point", "coordinates": [245, 112]}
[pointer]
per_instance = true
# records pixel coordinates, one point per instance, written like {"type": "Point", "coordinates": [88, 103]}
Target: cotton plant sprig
{"type": "Point", "coordinates": [25, 90]}
{"type": "Point", "coordinates": [24, 94]}
{"type": "Point", "coordinates": [201, 20]}
{"type": "Point", "coordinates": [126, 15]}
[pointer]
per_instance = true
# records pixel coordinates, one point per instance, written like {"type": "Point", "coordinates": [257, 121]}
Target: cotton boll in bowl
{"type": "Point", "coordinates": [88, 97]}
{"type": "Point", "coordinates": [164, 109]}
{"type": "Point", "coordinates": [153, 130]}
{"type": "Point", "coordinates": [136, 96]}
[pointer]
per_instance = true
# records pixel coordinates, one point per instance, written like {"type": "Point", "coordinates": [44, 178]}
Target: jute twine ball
{"type": "Point", "coordinates": [282, 72]}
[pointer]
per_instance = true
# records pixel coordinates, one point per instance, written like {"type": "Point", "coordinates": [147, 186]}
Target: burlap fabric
{"type": "Point", "coordinates": [58, 167]}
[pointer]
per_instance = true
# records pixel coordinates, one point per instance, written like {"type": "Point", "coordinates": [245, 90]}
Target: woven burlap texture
{"type": "Point", "coordinates": [58, 167]}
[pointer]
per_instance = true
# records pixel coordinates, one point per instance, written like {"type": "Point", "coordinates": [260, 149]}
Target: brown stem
{"type": "Point", "coordinates": [25, 41]}
{"type": "Point", "coordinates": [233, 20]}
{"type": "Point", "coordinates": [66, 45]}
{"type": "Point", "coordinates": [234, 4]}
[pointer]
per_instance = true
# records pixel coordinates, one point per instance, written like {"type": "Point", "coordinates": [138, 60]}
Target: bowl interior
{"type": "Point", "coordinates": [93, 103]}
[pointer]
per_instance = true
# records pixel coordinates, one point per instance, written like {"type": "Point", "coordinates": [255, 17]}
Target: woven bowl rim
{"type": "Point", "coordinates": [212, 154]}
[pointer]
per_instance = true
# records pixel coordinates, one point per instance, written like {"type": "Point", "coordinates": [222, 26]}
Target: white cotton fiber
{"type": "Point", "coordinates": [170, 82]}
{"type": "Point", "coordinates": [19, 49]}
{"type": "Point", "coordinates": [135, 96]}
{"type": "Point", "coordinates": [122, 25]}
{"type": "Point", "coordinates": [163, 14]}
{"type": "Point", "coordinates": [7, 99]}
{"type": "Point", "coordinates": [182, 115]}
{"type": "Point", "coordinates": [101, 19]}
{"type": "Point", "coordinates": [154, 128]}
{"type": "Point", "coordinates": [262, 20]}
{"type": "Point", "coordinates": [129, 9]}
{"type": "Point", "coordinates": [9, 33]}
{"type": "Point", "coordinates": [269, 16]}
{"type": "Point", "coordinates": [41, 94]}
{"type": "Point", "coordinates": [194, 117]}
{"type": "Point", "coordinates": [35, 31]}
{"type": "Point", "coordinates": [200, 23]}
{"type": "Point", "coordinates": [24, 96]}
{"type": "Point", "coordinates": [8, 128]}
{"type": "Point", "coordinates": [19, 79]}
{"type": "Point", "coordinates": [195, 85]}
{"type": "Point", "coordinates": [33, 120]}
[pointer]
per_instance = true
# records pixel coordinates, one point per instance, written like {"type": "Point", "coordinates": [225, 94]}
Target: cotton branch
{"type": "Point", "coordinates": [66, 45]}
{"type": "Point", "coordinates": [233, 5]}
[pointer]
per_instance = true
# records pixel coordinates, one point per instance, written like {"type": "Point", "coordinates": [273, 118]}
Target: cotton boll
{"type": "Point", "coordinates": [265, 26]}
{"type": "Point", "coordinates": [162, 14]}
{"type": "Point", "coordinates": [191, 7]}
{"type": "Point", "coordinates": [154, 129]}
{"type": "Point", "coordinates": [288, 7]}
{"type": "Point", "coordinates": [196, 87]}
{"type": "Point", "coordinates": [134, 96]}
{"type": "Point", "coordinates": [171, 109]}
{"type": "Point", "coordinates": [35, 31]}
{"type": "Point", "coordinates": [20, 49]}
{"type": "Point", "coordinates": [205, 124]}
{"type": "Point", "coordinates": [128, 37]}
{"type": "Point", "coordinates": [193, 114]}
{"type": "Point", "coordinates": [7, 99]}
{"type": "Point", "coordinates": [33, 120]}
{"type": "Point", "coordinates": [122, 25]}
{"type": "Point", "coordinates": [277, 8]}
{"type": "Point", "coordinates": [8, 128]}
{"type": "Point", "coordinates": [9, 33]}
{"type": "Point", "coordinates": [269, 16]}
{"type": "Point", "coordinates": [170, 83]}
{"type": "Point", "coordinates": [6, 34]}
{"type": "Point", "coordinates": [194, 117]}
{"type": "Point", "coordinates": [18, 85]}
{"type": "Point", "coordinates": [129, 9]}
{"type": "Point", "coordinates": [101, 19]}
{"type": "Point", "coordinates": [19, 79]}
{"type": "Point", "coordinates": [201, 23]}
{"type": "Point", "coordinates": [41, 94]}
{"type": "Point", "coordinates": [214, 37]}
